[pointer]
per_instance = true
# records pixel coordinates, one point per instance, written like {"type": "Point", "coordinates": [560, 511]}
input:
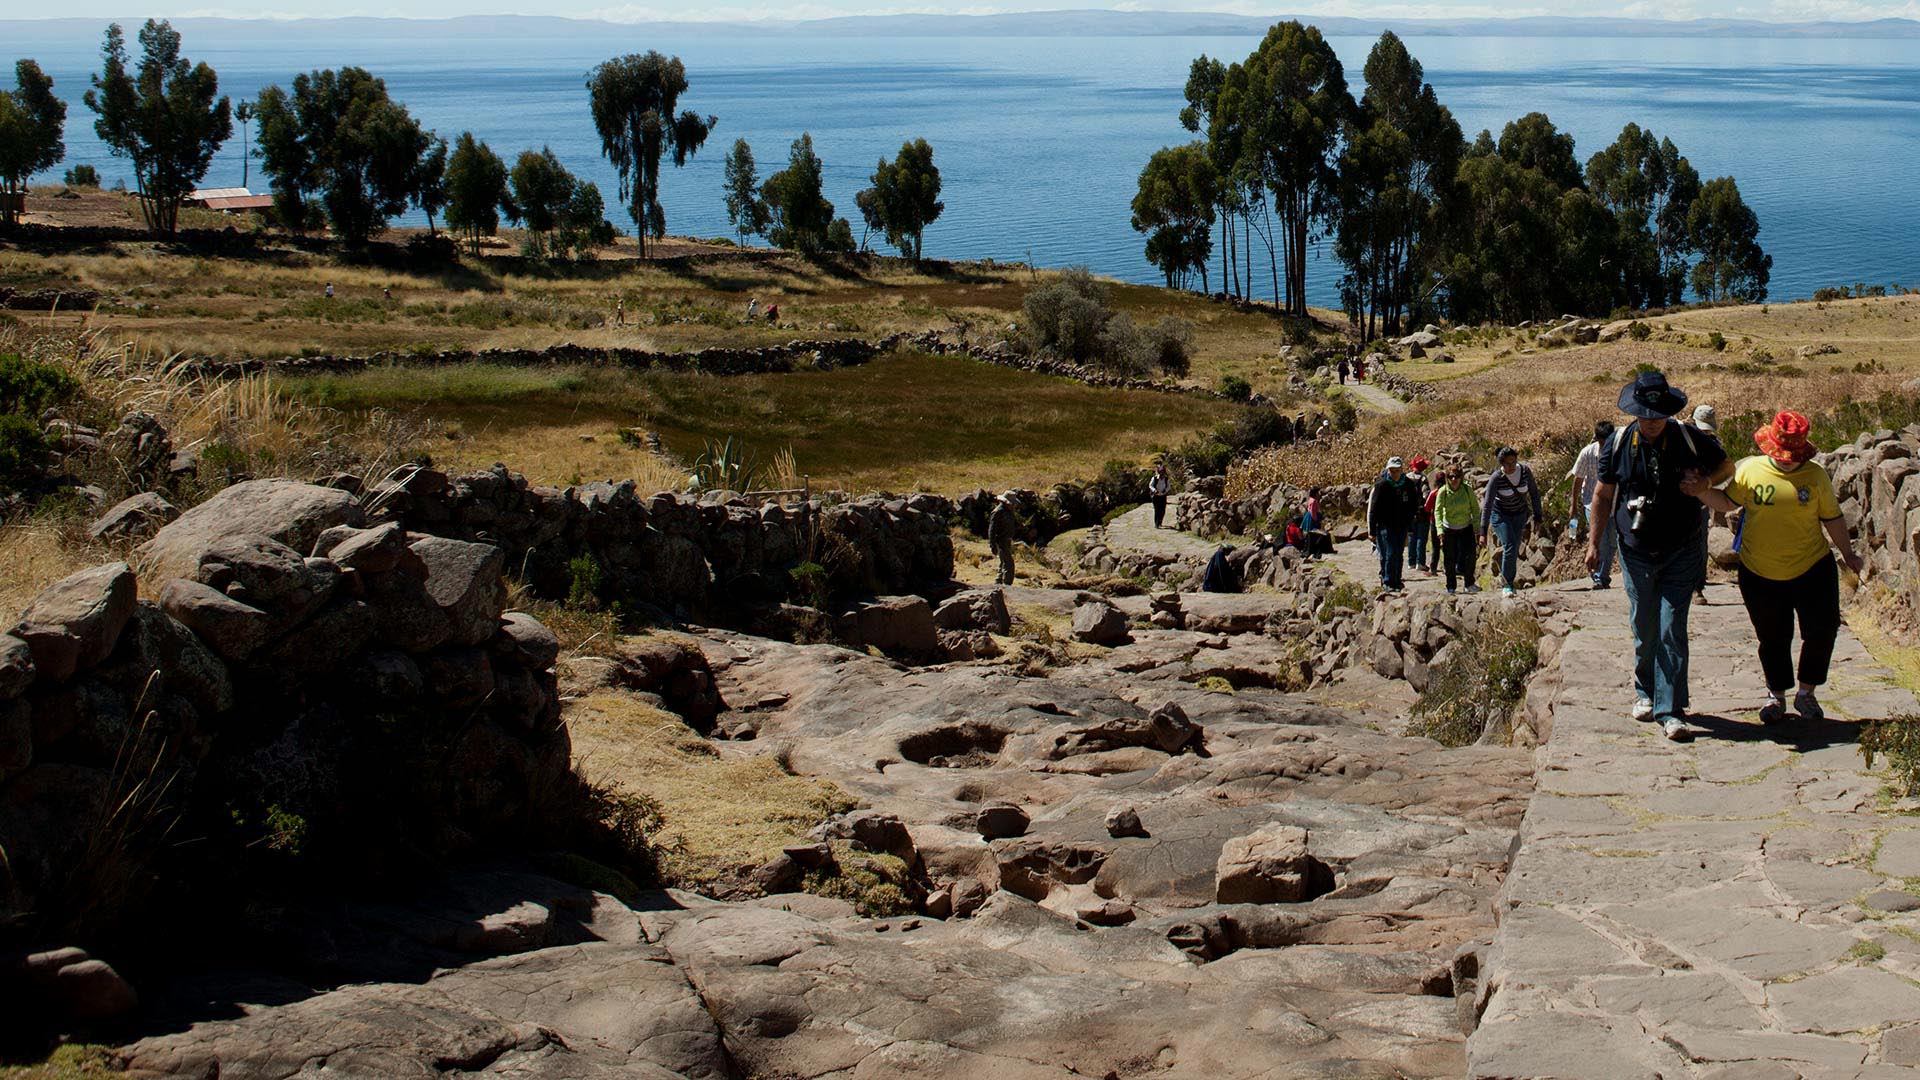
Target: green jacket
{"type": "Point", "coordinates": [1456, 508]}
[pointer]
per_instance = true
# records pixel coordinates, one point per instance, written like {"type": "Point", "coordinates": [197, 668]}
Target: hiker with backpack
{"type": "Point", "coordinates": [1788, 515]}
{"type": "Point", "coordinates": [1651, 486]}
{"type": "Point", "coordinates": [1585, 475]}
{"type": "Point", "coordinates": [1511, 509]}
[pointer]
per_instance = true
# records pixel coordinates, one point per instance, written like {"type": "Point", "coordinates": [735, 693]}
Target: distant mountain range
{"type": "Point", "coordinates": [1083, 23]}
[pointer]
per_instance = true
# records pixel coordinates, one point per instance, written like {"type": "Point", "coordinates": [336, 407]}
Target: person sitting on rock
{"type": "Point", "coordinates": [1221, 575]}
{"type": "Point", "coordinates": [1658, 523]}
{"type": "Point", "coordinates": [1001, 525]}
{"type": "Point", "coordinates": [1789, 513]}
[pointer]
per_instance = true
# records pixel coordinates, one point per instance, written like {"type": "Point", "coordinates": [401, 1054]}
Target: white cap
{"type": "Point", "coordinates": [1703, 418]}
{"type": "Point", "coordinates": [1395, 463]}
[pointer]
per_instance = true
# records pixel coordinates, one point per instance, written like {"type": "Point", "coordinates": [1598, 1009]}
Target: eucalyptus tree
{"type": "Point", "coordinates": [905, 197]}
{"type": "Point", "coordinates": [1175, 206]}
{"type": "Point", "coordinates": [32, 121]}
{"type": "Point", "coordinates": [1298, 106]}
{"type": "Point", "coordinates": [634, 99]}
{"type": "Point", "coordinates": [476, 188]}
{"type": "Point", "coordinates": [338, 137]}
{"type": "Point", "coordinates": [1726, 233]}
{"type": "Point", "coordinates": [745, 209]}
{"type": "Point", "coordinates": [166, 116]}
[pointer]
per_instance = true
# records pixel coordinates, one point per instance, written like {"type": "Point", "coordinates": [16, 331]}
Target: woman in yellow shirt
{"type": "Point", "coordinates": [1786, 570]}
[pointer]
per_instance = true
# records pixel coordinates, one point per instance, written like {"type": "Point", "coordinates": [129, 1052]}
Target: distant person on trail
{"type": "Point", "coordinates": [386, 293]}
{"type": "Point", "coordinates": [1789, 513]}
{"type": "Point", "coordinates": [620, 312]}
{"type": "Point", "coordinates": [329, 290]}
{"type": "Point", "coordinates": [1390, 513]}
{"type": "Point", "coordinates": [1313, 520]}
{"type": "Point", "coordinates": [1359, 369]}
{"type": "Point", "coordinates": [1342, 368]}
{"type": "Point", "coordinates": [1221, 575]}
{"type": "Point", "coordinates": [1422, 516]}
{"type": "Point", "coordinates": [1158, 485]}
{"type": "Point", "coordinates": [753, 308]}
{"type": "Point", "coordinates": [1657, 522]}
{"type": "Point", "coordinates": [1001, 524]}
{"type": "Point", "coordinates": [1438, 549]}
{"type": "Point", "coordinates": [773, 314]}
{"type": "Point", "coordinates": [1457, 513]}
{"type": "Point", "coordinates": [1512, 508]}
{"type": "Point", "coordinates": [1585, 475]}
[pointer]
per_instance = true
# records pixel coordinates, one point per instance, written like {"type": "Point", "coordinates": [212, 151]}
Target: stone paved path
{"type": "Point", "coordinates": [1735, 907]}
{"type": "Point", "coordinates": [1372, 397]}
{"type": "Point", "coordinates": [1134, 531]}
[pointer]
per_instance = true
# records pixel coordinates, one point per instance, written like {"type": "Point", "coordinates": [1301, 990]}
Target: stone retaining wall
{"type": "Point", "coordinates": [283, 650]}
{"type": "Point", "coordinates": [1877, 480]}
{"type": "Point", "coordinates": [715, 557]}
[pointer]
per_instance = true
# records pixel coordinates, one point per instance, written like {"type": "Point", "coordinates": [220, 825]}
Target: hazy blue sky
{"type": "Point", "coordinates": [1774, 10]}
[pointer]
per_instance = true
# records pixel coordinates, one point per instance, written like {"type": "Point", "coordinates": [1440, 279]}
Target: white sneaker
{"type": "Point", "coordinates": [1506, 591]}
{"type": "Point", "coordinates": [1643, 709]}
{"type": "Point", "coordinates": [1473, 588]}
{"type": "Point", "coordinates": [1676, 729]}
{"type": "Point", "coordinates": [1808, 706]}
{"type": "Point", "coordinates": [1775, 710]}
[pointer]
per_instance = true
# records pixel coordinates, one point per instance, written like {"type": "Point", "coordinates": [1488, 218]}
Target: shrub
{"type": "Point", "coordinates": [1235, 388]}
{"type": "Point", "coordinates": [1346, 596]}
{"type": "Point", "coordinates": [83, 176]}
{"type": "Point", "coordinates": [1897, 738]}
{"type": "Point", "coordinates": [23, 452]}
{"type": "Point", "coordinates": [1716, 341]}
{"type": "Point", "coordinates": [1170, 343]}
{"type": "Point", "coordinates": [1475, 691]}
{"type": "Point", "coordinates": [1066, 315]}
{"type": "Point", "coordinates": [30, 387]}
{"type": "Point", "coordinates": [585, 580]}
{"type": "Point", "coordinates": [1639, 331]}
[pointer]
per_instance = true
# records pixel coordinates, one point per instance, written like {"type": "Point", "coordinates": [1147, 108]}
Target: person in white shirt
{"type": "Point", "coordinates": [1157, 487]}
{"type": "Point", "coordinates": [1585, 475]}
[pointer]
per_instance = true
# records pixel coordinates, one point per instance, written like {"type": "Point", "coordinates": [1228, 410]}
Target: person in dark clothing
{"type": "Point", "coordinates": [1511, 507]}
{"type": "Point", "coordinates": [1001, 525]}
{"type": "Point", "coordinates": [1643, 491]}
{"type": "Point", "coordinates": [1221, 576]}
{"type": "Point", "coordinates": [1391, 512]}
{"type": "Point", "coordinates": [1342, 369]}
{"type": "Point", "coordinates": [1417, 536]}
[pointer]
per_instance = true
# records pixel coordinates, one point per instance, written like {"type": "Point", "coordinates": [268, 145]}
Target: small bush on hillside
{"type": "Point", "coordinates": [29, 387]}
{"type": "Point", "coordinates": [1475, 691]}
{"type": "Point", "coordinates": [1346, 596]}
{"type": "Point", "coordinates": [83, 176]}
{"type": "Point", "coordinates": [1717, 341]}
{"type": "Point", "coordinates": [23, 452]}
{"type": "Point", "coordinates": [1072, 318]}
{"type": "Point", "coordinates": [1235, 388]}
{"type": "Point", "coordinates": [1639, 331]}
{"type": "Point", "coordinates": [1897, 739]}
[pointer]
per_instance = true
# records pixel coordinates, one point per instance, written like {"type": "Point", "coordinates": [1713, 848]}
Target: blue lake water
{"type": "Point", "coordinates": [1040, 140]}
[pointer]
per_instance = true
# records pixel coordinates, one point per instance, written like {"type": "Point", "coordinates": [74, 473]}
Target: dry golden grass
{"type": "Point", "coordinates": [724, 815]}
{"type": "Point", "coordinates": [35, 554]}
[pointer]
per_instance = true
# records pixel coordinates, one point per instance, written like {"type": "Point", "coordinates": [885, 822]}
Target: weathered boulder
{"type": "Point", "coordinates": [16, 667]}
{"type": "Point", "coordinates": [896, 625]}
{"type": "Point", "coordinates": [134, 518]}
{"type": "Point", "coordinates": [463, 580]}
{"type": "Point", "coordinates": [975, 609]}
{"type": "Point", "coordinates": [287, 511]}
{"type": "Point", "coordinates": [1099, 623]}
{"type": "Point", "coordinates": [998, 821]}
{"type": "Point", "coordinates": [75, 622]}
{"type": "Point", "coordinates": [526, 638]}
{"type": "Point", "coordinates": [74, 986]}
{"type": "Point", "coordinates": [234, 630]}
{"type": "Point", "coordinates": [1124, 821]}
{"type": "Point", "coordinates": [1269, 866]}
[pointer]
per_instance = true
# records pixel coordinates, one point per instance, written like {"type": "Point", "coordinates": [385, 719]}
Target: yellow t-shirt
{"type": "Point", "coordinates": [1782, 536]}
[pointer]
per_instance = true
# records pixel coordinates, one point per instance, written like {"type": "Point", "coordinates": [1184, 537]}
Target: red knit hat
{"type": "Point", "coordinates": [1419, 464]}
{"type": "Point", "coordinates": [1785, 440]}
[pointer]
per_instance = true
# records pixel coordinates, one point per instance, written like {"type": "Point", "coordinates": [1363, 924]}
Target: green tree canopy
{"type": "Point", "coordinates": [542, 192]}
{"type": "Point", "coordinates": [906, 196]}
{"type": "Point", "coordinates": [1532, 142]}
{"type": "Point", "coordinates": [476, 190]}
{"type": "Point", "coordinates": [1175, 207]}
{"type": "Point", "coordinates": [801, 217]}
{"type": "Point", "coordinates": [745, 209]}
{"type": "Point", "coordinates": [340, 138]}
{"type": "Point", "coordinates": [32, 122]}
{"type": "Point", "coordinates": [1649, 187]}
{"type": "Point", "coordinates": [166, 116]}
{"type": "Point", "coordinates": [634, 98]}
{"type": "Point", "coordinates": [1297, 106]}
{"type": "Point", "coordinates": [430, 180]}
{"type": "Point", "coordinates": [1726, 233]}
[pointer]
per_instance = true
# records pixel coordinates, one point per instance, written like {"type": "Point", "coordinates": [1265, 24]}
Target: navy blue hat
{"type": "Point", "coordinates": [1649, 397]}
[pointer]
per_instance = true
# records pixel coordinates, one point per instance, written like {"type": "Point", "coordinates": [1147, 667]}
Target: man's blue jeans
{"type": "Point", "coordinates": [1508, 528]}
{"type": "Point", "coordinates": [1392, 544]}
{"type": "Point", "coordinates": [1659, 594]}
{"type": "Point", "coordinates": [1417, 543]}
{"type": "Point", "coordinates": [1608, 541]}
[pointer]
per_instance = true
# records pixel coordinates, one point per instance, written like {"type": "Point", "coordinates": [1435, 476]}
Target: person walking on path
{"type": "Point", "coordinates": [1511, 508]}
{"type": "Point", "coordinates": [1157, 487]}
{"type": "Point", "coordinates": [1585, 475]}
{"type": "Point", "coordinates": [1657, 523]}
{"type": "Point", "coordinates": [1342, 369]}
{"type": "Point", "coordinates": [1422, 517]}
{"type": "Point", "coordinates": [1705, 420]}
{"type": "Point", "coordinates": [1001, 525]}
{"type": "Point", "coordinates": [753, 308]}
{"type": "Point", "coordinates": [1390, 513]}
{"type": "Point", "coordinates": [1789, 513]}
{"type": "Point", "coordinates": [620, 312]}
{"type": "Point", "coordinates": [1457, 513]}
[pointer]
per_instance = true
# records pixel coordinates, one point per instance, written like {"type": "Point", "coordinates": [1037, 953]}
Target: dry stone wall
{"type": "Point", "coordinates": [1877, 480]}
{"type": "Point", "coordinates": [285, 644]}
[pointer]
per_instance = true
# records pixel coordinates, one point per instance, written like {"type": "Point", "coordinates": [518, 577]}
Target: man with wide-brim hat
{"type": "Point", "coordinates": [1002, 524]}
{"type": "Point", "coordinates": [1658, 525]}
